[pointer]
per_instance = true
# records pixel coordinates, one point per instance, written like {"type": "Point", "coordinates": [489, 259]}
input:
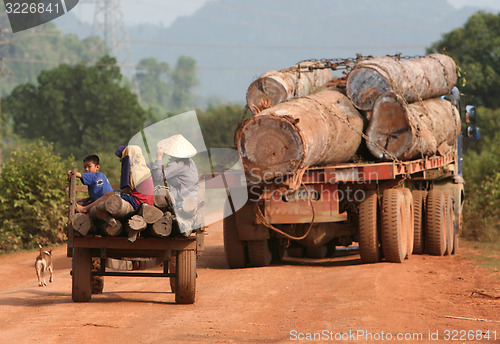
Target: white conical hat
{"type": "Point", "coordinates": [177, 146]}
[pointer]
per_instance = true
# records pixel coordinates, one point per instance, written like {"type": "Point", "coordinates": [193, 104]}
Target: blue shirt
{"type": "Point", "coordinates": [98, 184]}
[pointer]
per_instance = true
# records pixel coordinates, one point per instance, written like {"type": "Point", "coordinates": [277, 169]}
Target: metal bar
{"type": "Point", "coordinates": [132, 274]}
{"type": "Point", "coordinates": [140, 244]}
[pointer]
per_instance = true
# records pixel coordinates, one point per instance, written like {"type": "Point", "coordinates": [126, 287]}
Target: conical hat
{"type": "Point", "coordinates": [177, 146]}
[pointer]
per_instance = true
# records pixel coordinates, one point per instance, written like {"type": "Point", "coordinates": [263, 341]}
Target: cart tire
{"type": "Point", "coordinates": [418, 220]}
{"type": "Point", "coordinates": [369, 247]}
{"type": "Point", "coordinates": [171, 269]}
{"type": "Point", "coordinates": [259, 252]}
{"type": "Point", "coordinates": [394, 236]}
{"type": "Point", "coordinates": [450, 237]}
{"type": "Point", "coordinates": [81, 275]}
{"type": "Point", "coordinates": [185, 280]}
{"type": "Point", "coordinates": [410, 226]}
{"type": "Point", "coordinates": [436, 223]}
{"type": "Point", "coordinates": [234, 248]}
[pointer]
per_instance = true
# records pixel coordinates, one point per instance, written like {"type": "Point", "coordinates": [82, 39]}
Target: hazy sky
{"type": "Point", "coordinates": [166, 11]}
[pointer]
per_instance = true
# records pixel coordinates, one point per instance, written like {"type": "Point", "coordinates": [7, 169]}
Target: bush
{"type": "Point", "coordinates": [33, 201]}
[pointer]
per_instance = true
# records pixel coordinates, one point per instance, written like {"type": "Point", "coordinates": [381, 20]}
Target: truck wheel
{"type": "Point", "coordinates": [436, 223]}
{"type": "Point", "coordinates": [369, 247]}
{"type": "Point", "coordinates": [449, 224]}
{"type": "Point", "coordinates": [171, 269]}
{"type": "Point", "coordinates": [81, 275]}
{"type": "Point", "coordinates": [185, 280]}
{"type": "Point", "coordinates": [234, 248]}
{"type": "Point", "coordinates": [259, 253]}
{"type": "Point", "coordinates": [277, 249]}
{"type": "Point", "coordinates": [418, 220]}
{"type": "Point", "coordinates": [409, 220]}
{"type": "Point", "coordinates": [394, 236]}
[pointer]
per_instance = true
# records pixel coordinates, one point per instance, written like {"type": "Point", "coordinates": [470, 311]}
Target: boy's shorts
{"type": "Point", "coordinates": [130, 199]}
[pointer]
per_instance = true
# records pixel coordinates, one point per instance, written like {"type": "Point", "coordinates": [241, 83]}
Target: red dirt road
{"type": "Point", "coordinates": [298, 299]}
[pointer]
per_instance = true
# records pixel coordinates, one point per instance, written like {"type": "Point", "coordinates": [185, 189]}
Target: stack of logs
{"type": "Point", "coordinates": [114, 216]}
{"type": "Point", "coordinates": [395, 103]}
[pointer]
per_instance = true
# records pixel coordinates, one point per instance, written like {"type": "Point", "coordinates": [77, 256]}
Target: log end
{"type": "Point", "coordinates": [389, 127]}
{"type": "Point", "coordinates": [364, 86]}
{"type": "Point", "coordinates": [264, 93]}
{"type": "Point", "coordinates": [270, 145]}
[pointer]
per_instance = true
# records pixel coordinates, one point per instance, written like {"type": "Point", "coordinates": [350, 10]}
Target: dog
{"type": "Point", "coordinates": [43, 263]}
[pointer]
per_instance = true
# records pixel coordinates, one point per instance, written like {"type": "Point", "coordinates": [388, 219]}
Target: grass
{"type": "Point", "coordinates": [489, 254]}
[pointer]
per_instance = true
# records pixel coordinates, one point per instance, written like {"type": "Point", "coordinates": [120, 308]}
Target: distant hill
{"type": "Point", "coordinates": [236, 41]}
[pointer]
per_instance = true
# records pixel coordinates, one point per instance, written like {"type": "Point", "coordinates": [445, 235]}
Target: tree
{"type": "Point", "coordinates": [154, 83]}
{"type": "Point", "coordinates": [219, 123]}
{"type": "Point", "coordinates": [476, 49]}
{"type": "Point", "coordinates": [82, 109]}
{"type": "Point", "coordinates": [33, 201]}
{"type": "Point", "coordinates": [184, 79]}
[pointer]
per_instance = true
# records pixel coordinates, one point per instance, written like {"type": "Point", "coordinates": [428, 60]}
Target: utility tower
{"type": "Point", "coordinates": [108, 23]}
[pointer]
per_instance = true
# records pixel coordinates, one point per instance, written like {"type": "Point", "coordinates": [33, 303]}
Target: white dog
{"type": "Point", "coordinates": [43, 263]}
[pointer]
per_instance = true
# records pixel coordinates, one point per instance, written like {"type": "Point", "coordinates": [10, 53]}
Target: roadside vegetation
{"type": "Point", "coordinates": [54, 114]}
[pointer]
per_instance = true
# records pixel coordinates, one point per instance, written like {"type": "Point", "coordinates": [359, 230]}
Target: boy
{"type": "Point", "coordinates": [96, 181]}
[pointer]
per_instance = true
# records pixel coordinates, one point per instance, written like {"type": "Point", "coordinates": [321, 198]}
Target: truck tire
{"type": "Point", "coordinates": [449, 224]}
{"type": "Point", "coordinates": [185, 280]}
{"type": "Point", "coordinates": [259, 252]}
{"type": "Point", "coordinates": [369, 247]}
{"type": "Point", "coordinates": [81, 275]}
{"type": "Point", "coordinates": [436, 223]}
{"type": "Point", "coordinates": [234, 248]}
{"type": "Point", "coordinates": [409, 220]}
{"type": "Point", "coordinates": [394, 236]}
{"type": "Point", "coordinates": [418, 220]}
{"type": "Point", "coordinates": [277, 249]}
{"type": "Point", "coordinates": [171, 269]}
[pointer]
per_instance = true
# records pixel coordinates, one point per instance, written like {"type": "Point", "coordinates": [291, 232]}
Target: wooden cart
{"type": "Point", "coordinates": [178, 255]}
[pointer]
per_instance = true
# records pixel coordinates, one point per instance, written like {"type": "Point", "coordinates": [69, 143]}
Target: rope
{"type": "Point", "coordinates": [266, 223]}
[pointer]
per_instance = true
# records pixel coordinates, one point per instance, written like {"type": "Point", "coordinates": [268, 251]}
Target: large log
{"type": "Point", "coordinates": [82, 224]}
{"type": "Point", "coordinates": [116, 206]}
{"type": "Point", "coordinates": [421, 78]}
{"type": "Point", "coordinates": [274, 87]}
{"type": "Point", "coordinates": [150, 213]}
{"type": "Point", "coordinates": [409, 131]}
{"type": "Point", "coordinates": [135, 225]}
{"type": "Point", "coordinates": [163, 227]}
{"type": "Point", "coordinates": [299, 133]}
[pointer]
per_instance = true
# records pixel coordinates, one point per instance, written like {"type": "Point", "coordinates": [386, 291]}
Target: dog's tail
{"type": "Point", "coordinates": [41, 249]}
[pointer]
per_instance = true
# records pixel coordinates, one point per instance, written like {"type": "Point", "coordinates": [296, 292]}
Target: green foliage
{"type": "Point", "coordinates": [219, 123]}
{"type": "Point", "coordinates": [33, 199]}
{"type": "Point", "coordinates": [80, 108]}
{"type": "Point", "coordinates": [184, 79]}
{"type": "Point", "coordinates": [154, 84]}
{"type": "Point", "coordinates": [476, 49]}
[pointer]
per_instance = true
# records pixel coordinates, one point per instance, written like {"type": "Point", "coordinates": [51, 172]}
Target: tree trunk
{"type": "Point", "coordinates": [150, 213]}
{"type": "Point", "coordinates": [162, 227]}
{"type": "Point", "coordinates": [412, 131]}
{"type": "Point", "coordinates": [421, 78]}
{"type": "Point", "coordinates": [299, 133]}
{"type": "Point", "coordinates": [116, 206]}
{"type": "Point", "coordinates": [135, 225]}
{"type": "Point", "coordinates": [107, 225]}
{"type": "Point", "coordinates": [274, 87]}
{"type": "Point", "coordinates": [82, 224]}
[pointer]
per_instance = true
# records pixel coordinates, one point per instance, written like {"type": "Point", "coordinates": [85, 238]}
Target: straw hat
{"type": "Point", "coordinates": [177, 146]}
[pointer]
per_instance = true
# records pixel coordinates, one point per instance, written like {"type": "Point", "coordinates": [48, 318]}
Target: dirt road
{"type": "Point", "coordinates": [336, 300]}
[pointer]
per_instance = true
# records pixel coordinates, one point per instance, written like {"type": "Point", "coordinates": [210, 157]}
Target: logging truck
{"type": "Point", "coordinates": [177, 254]}
{"type": "Point", "coordinates": [375, 162]}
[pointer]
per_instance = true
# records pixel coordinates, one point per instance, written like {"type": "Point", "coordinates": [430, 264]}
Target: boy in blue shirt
{"type": "Point", "coordinates": [96, 181]}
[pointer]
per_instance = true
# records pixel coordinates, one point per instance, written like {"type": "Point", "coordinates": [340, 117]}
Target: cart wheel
{"type": "Point", "coordinates": [394, 236]}
{"type": "Point", "coordinates": [418, 220]}
{"type": "Point", "coordinates": [171, 269]}
{"type": "Point", "coordinates": [409, 220]}
{"type": "Point", "coordinates": [234, 248]}
{"type": "Point", "coordinates": [369, 248]}
{"type": "Point", "coordinates": [81, 275]}
{"type": "Point", "coordinates": [259, 252]}
{"type": "Point", "coordinates": [436, 223]}
{"type": "Point", "coordinates": [185, 281]}
{"type": "Point", "coordinates": [449, 224]}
